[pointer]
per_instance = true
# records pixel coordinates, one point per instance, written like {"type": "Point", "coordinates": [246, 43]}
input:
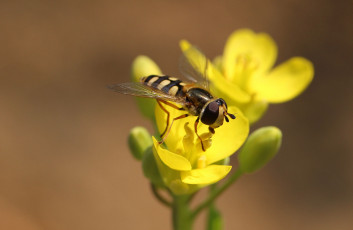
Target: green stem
{"type": "Point", "coordinates": [216, 192]}
{"type": "Point", "coordinates": [214, 218]}
{"type": "Point", "coordinates": [181, 213]}
{"type": "Point", "coordinates": [159, 197]}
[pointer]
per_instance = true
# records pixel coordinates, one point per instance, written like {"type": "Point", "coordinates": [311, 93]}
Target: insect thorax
{"type": "Point", "coordinates": [197, 98]}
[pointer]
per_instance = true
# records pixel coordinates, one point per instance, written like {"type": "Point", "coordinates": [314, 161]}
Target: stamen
{"type": "Point", "coordinates": [246, 65]}
{"type": "Point", "coordinates": [201, 162]}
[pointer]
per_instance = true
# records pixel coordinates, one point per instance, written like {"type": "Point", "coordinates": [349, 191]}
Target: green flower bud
{"type": "Point", "coordinates": [261, 146]}
{"type": "Point", "coordinates": [143, 66]}
{"type": "Point", "coordinates": [139, 140]}
{"type": "Point", "coordinates": [150, 168]}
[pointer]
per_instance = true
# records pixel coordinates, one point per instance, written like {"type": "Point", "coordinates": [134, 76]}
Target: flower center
{"type": "Point", "coordinates": [192, 147]}
{"type": "Point", "coordinates": [245, 66]}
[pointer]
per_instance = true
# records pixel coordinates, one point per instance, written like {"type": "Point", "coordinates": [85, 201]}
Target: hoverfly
{"type": "Point", "coordinates": [193, 97]}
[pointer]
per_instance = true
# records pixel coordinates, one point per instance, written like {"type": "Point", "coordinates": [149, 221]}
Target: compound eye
{"type": "Point", "coordinates": [210, 113]}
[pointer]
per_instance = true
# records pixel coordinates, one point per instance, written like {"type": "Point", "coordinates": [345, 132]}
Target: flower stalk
{"type": "Point", "coordinates": [159, 197]}
{"type": "Point", "coordinates": [182, 215]}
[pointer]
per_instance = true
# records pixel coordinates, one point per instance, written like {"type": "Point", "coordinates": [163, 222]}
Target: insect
{"type": "Point", "coordinates": [193, 97]}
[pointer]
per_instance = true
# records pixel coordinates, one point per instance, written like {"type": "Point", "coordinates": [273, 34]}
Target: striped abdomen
{"type": "Point", "coordinates": [166, 84]}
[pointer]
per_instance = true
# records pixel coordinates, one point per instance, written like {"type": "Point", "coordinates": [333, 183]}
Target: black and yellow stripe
{"type": "Point", "coordinates": [166, 84]}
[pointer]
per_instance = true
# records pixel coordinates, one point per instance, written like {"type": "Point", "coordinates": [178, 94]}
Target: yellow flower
{"type": "Point", "coordinates": [244, 77]}
{"type": "Point", "coordinates": [184, 167]}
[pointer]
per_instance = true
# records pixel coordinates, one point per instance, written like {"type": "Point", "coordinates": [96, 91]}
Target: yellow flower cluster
{"type": "Point", "coordinates": [245, 79]}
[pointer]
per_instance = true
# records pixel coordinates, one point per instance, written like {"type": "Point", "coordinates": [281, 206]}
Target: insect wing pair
{"type": "Point", "coordinates": [189, 71]}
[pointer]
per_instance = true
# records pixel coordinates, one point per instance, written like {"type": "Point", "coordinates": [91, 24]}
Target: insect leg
{"type": "Point", "coordinates": [211, 130]}
{"type": "Point", "coordinates": [171, 105]}
{"type": "Point", "coordinates": [166, 111]}
{"type": "Point", "coordinates": [195, 126]}
{"type": "Point", "coordinates": [174, 119]}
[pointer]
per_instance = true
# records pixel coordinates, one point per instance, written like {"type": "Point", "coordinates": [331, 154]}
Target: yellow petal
{"type": "Point", "coordinates": [260, 49]}
{"type": "Point", "coordinates": [227, 90]}
{"type": "Point", "coordinates": [228, 137]}
{"type": "Point", "coordinates": [177, 132]}
{"type": "Point", "coordinates": [284, 82]}
{"type": "Point", "coordinates": [208, 175]}
{"type": "Point", "coordinates": [217, 63]}
{"type": "Point", "coordinates": [167, 174]}
{"type": "Point", "coordinates": [185, 45]}
{"type": "Point", "coordinates": [254, 110]}
{"type": "Point", "coordinates": [219, 85]}
{"type": "Point", "coordinates": [172, 160]}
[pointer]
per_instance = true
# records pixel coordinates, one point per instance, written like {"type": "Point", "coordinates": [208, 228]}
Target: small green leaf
{"type": "Point", "coordinates": [150, 168]}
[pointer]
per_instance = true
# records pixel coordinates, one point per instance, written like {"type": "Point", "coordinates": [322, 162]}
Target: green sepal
{"type": "Point", "coordinates": [150, 168]}
{"type": "Point", "coordinates": [261, 146]}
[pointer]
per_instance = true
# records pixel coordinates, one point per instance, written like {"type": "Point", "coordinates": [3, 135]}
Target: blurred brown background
{"type": "Point", "coordinates": [64, 163]}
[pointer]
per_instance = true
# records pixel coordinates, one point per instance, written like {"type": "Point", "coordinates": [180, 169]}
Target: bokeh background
{"type": "Point", "coordinates": [64, 162]}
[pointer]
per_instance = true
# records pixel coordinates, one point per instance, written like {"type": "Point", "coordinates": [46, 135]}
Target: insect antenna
{"type": "Point", "coordinates": [228, 114]}
{"type": "Point", "coordinates": [225, 117]}
{"type": "Point", "coordinates": [231, 115]}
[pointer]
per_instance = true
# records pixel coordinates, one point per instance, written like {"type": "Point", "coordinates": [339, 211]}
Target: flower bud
{"type": "Point", "coordinates": [143, 66]}
{"type": "Point", "coordinates": [150, 168]}
{"type": "Point", "coordinates": [261, 146]}
{"type": "Point", "coordinates": [139, 140]}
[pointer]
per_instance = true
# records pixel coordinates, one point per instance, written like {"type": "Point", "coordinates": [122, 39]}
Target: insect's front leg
{"type": "Point", "coordinates": [167, 112]}
{"type": "Point", "coordinates": [195, 126]}
{"type": "Point", "coordinates": [211, 130]}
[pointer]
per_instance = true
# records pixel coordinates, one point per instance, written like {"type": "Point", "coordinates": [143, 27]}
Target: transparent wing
{"type": "Point", "coordinates": [140, 90]}
{"type": "Point", "coordinates": [193, 65]}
